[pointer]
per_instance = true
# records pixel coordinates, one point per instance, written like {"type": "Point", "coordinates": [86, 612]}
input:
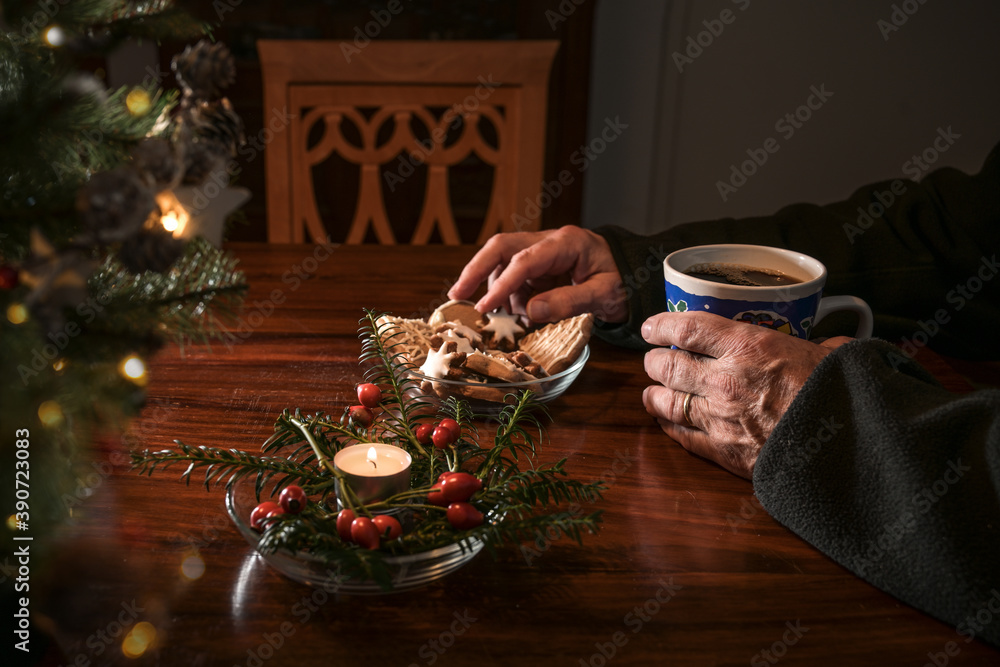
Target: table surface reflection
{"type": "Point", "coordinates": [687, 568]}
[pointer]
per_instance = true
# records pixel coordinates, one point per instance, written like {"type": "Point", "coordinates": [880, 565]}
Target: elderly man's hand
{"type": "Point", "coordinates": [742, 379]}
{"type": "Point", "coordinates": [546, 276]}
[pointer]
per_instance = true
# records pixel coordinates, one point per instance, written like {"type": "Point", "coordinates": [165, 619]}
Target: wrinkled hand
{"type": "Point", "coordinates": [742, 377]}
{"type": "Point", "coordinates": [527, 272]}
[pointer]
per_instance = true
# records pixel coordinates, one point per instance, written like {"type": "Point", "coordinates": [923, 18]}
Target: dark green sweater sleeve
{"type": "Point", "coordinates": [923, 255]}
{"type": "Point", "coordinates": [897, 480]}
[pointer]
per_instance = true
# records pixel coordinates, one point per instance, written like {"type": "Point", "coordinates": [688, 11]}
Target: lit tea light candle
{"type": "Point", "coordinates": [374, 471]}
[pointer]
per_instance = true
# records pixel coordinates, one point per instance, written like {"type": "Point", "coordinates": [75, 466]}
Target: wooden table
{"type": "Point", "coordinates": [687, 568]}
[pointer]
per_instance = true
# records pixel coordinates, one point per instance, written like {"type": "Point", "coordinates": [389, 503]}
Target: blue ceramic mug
{"type": "Point", "coordinates": [792, 308]}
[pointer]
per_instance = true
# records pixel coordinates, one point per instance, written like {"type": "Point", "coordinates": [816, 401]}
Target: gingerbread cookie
{"type": "Point", "coordinates": [444, 362]}
{"type": "Point", "coordinates": [556, 346]}
{"type": "Point", "coordinates": [460, 312]}
{"type": "Point", "coordinates": [497, 367]}
{"type": "Point", "coordinates": [501, 331]}
{"type": "Point", "coordinates": [467, 338]}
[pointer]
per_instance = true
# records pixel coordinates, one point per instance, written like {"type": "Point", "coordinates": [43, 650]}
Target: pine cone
{"type": "Point", "coordinates": [150, 250]}
{"type": "Point", "coordinates": [157, 162]}
{"type": "Point", "coordinates": [114, 204]}
{"type": "Point", "coordinates": [204, 70]}
{"type": "Point", "coordinates": [218, 121]}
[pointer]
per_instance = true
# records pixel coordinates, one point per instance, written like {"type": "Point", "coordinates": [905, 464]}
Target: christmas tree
{"type": "Point", "coordinates": [102, 256]}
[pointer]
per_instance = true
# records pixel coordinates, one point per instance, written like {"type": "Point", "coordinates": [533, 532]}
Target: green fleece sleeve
{"type": "Point", "coordinates": [896, 479]}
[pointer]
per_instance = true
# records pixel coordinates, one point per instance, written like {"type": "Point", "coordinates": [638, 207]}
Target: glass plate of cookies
{"type": "Point", "coordinates": [483, 359]}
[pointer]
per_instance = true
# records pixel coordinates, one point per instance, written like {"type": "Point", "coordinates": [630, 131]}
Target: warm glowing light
{"type": "Point", "coordinates": [138, 102]}
{"type": "Point", "coordinates": [193, 567]}
{"type": "Point", "coordinates": [50, 413]}
{"type": "Point", "coordinates": [12, 523]}
{"type": "Point", "coordinates": [174, 218]}
{"type": "Point", "coordinates": [133, 367]}
{"type": "Point", "coordinates": [55, 36]}
{"type": "Point", "coordinates": [170, 221]}
{"type": "Point", "coordinates": [372, 457]}
{"type": "Point", "coordinates": [139, 639]}
{"type": "Point", "coordinates": [59, 365]}
{"type": "Point", "coordinates": [17, 313]}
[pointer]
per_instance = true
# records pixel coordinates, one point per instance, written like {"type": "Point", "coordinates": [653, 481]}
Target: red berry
{"type": "Point", "coordinates": [263, 512]}
{"type": "Point", "coordinates": [344, 519]}
{"type": "Point", "coordinates": [293, 499]}
{"type": "Point", "coordinates": [435, 497]}
{"type": "Point", "coordinates": [364, 532]}
{"type": "Point", "coordinates": [389, 527]}
{"type": "Point", "coordinates": [444, 475]}
{"type": "Point", "coordinates": [423, 433]}
{"type": "Point", "coordinates": [463, 516]}
{"type": "Point", "coordinates": [452, 426]}
{"type": "Point", "coordinates": [442, 437]}
{"type": "Point", "coordinates": [369, 395]}
{"type": "Point", "coordinates": [361, 415]}
{"type": "Point", "coordinates": [460, 486]}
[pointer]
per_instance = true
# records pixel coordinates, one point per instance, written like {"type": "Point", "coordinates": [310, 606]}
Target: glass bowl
{"type": "Point", "coordinates": [409, 572]}
{"type": "Point", "coordinates": [546, 389]}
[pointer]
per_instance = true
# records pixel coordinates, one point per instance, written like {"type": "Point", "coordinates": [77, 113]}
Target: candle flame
{"type": "Point", "coordinates": [373, 457]}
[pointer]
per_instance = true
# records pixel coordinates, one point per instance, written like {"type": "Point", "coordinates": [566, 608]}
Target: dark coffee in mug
{"type": "Point", "coordinates": [741, 274]}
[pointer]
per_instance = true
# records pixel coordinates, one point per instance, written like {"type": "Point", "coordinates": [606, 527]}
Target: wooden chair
{"type": "Point", "coordinates": [384, 89]}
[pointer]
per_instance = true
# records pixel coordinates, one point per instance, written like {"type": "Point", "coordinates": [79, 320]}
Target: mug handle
{"type": "Point", "coordinates": [829, 304]}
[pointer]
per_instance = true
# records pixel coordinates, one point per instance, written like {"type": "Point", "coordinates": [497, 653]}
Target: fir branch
{"type": "Point", "coordinates": [220, 463]}
{"type": "Point", "coordinates": [513, 437]}
{"type": "Point", "coordinates": [543, 486]}
{"type": "Point", "coordinates": [320, 456]}
{"type": "Point", "coordinates": [183, 303]}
